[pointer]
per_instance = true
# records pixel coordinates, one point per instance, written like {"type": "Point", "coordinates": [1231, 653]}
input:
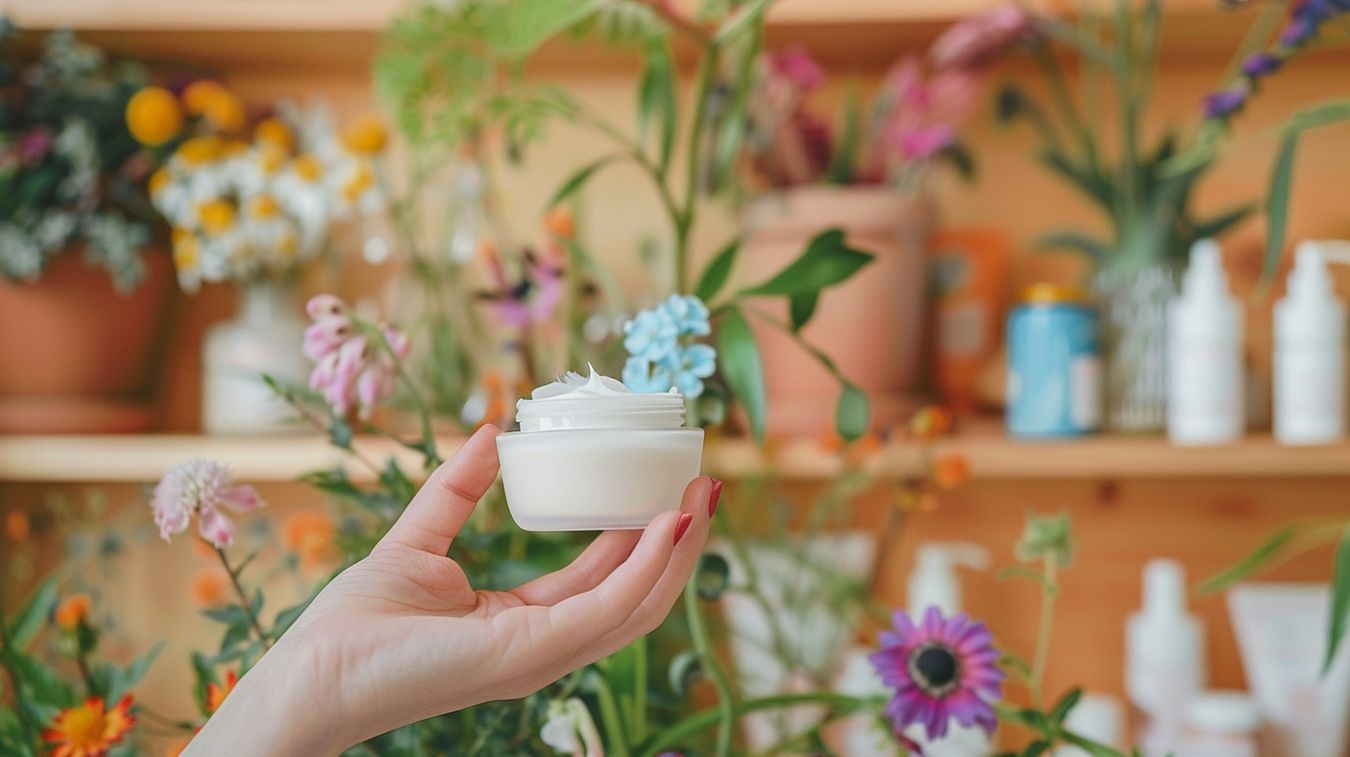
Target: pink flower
{"type": "Point", "coordinates": [924, 143]}
{"type": "Point", "coordinates": [978, 40]}
{"type": "Point", "coordinates": [201, 488]}
{"type": "Point", "coordinates": [535, 298]}
{"type": "Point", "coordinates": [349, 369]}
{"type": "Point", "coordinates": [796, 65]}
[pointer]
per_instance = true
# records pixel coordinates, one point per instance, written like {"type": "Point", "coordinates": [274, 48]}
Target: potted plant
{"type": "Point", "coordinates": [252, 210]}
{"type": "Point", "coordinates": [81, 294]}
{"type": "Point", "coordinates": [1144, 185]}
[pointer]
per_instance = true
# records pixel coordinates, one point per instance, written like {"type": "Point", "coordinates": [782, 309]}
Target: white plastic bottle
{"type": "Point", "coordinates": [1204, 341]}
{"type": "Point", "coordinates": [1309, 354]}
{"type": "Point", "coordinates": [934, 583]}
{"type": "Point", "coordinates": [1164, 659]}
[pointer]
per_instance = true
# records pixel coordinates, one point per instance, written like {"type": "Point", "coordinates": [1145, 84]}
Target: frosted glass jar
{"type": "Point", "coordinates": [593, 479]}
{"type": "Point", "coordinates": [591, 455]}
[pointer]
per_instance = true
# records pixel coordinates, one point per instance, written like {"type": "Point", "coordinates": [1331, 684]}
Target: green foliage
{"type": "Point", "coordinates": [718, 271]}
{"type": "Point", "coordinates": [656, 99]}
{"type": "Point", "coordinates": [1340, 600]}
{"type": "Point", "coordinates": [1258, 559]}
{"type": "Point", "coordinates": [1046, 536]}
{"type": "Point", "coordinates": [712, 577]}
{"type": "Point", "coordinates": [742, 367]}
{"type": "Point", "coordinates": [826, 261]}
{"type": "Point", "coordinates": [20, 629]}
{"type": "Point", "coordinates": [1282, 178]}
{"type": "Point", "coordinates": [852, 413]}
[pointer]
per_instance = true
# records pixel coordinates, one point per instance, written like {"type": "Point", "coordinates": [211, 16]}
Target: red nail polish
{"type": "Point", "coordinates": [715, 497]}
{"type": "Point", "coordinates": [682, 526]}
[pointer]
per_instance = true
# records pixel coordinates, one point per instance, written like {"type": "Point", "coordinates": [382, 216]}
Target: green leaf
{"type": "Point", "coordinates": [125, 679]}
{"type": "Point", "coordinates": [1258, 558]}
{"type": "Point", "coordinates": [234, 636]}
{"type": "Point", "coordinates": [1036, 748]}
{"type": "Point", "coordinates": [1094, 185]}
{"type": "Point", "coordinates": [576, 180]}
{"type": "Point", "coordinates": [32, 615]}
{"type": "Point", "coordinates": [203, 674]}
{"type": "Point", "coordinates": [1020, 571]}
{"type": "Point", "coordinates": [1340, 600]}
{"type": "Point", "coordinates": [517, 28]}
{"type": "Point", "coordinates": [286, 618]}
{"type": "Point", "coordinates": [718, 271]}
{"type": "Point", "coordinates": [229, 615]}
{"type": "Point", "coordinates": [713, 575]}
{"type": "Point", "coordinates": [656, 98]}
{"type": "Point", "coordinates": [742, 367]}
{"type": "Point", "coordinates": [37, 681]}
{"type": "Point", "coordinates": [1277, 203]}
{"type": "Point", "coordinates": [801, 307]}
{"type": "Point", "coordinates": [340, 432]}
{"type": "Point", "coordinates": [845, 155]}
{"type": "Point", "coordinates": [827, 260]}
{"type": "Point", "coordinates": [1095, 250]}
{"type": "Point", "coordinates": [1221, 222]}
{"type": "Point", "coordinates": [1065, 705]}
{"type": "Point", "coordinates": [852, 414]}
{"type": "Point", "coordinates": [960, 159]}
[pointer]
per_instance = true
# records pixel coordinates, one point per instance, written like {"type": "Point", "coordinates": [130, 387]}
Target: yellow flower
{"type": "Point", "coordinates": [215, 693]}
{"type": "Point", "coordinates": [199, 150]}
{"type": "Point", "coordinates": [308, 167]}
{"type": "Point", "coordinates": [216, 103]}
{"type": "Point", "coordinates": [263, 206]}
{"type": "Point", "coordinates": [158, 181]}
{"type": "Point", "coordinates": [274, 131]}
{"type": "Point", "coordinates": [361, 180]}
{"type": "Point", "coordinates": [231, 147]}
{"type": "Point", "coordinates": [209, 587]}
{"type": "Point", "coordinates": [73, 611]}
{"type": "Point", "coordinates": [89, 730]}
{"type": "Point", "coordinates": [272, 158]}
{"type": "Point", "coordinates": [217, 216]}
{"type": "Point", "coordinates": [153, 116]}
{"type": "Point", "coordinates": [309, 535]}
{"type": "Point", "coordinates": [187, 253]}
{"type": "Point", "coordinates": [366, 135]}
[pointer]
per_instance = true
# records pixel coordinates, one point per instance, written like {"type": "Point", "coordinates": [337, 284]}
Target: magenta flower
{"type": "Point", "coordinates": [924, 143]}
{"type": "Point", "coordinates": [201, 488]}
{"type": "Point", "coordinates": [350, 369]}
{"type": "Point", "coordinates": [943, 668]}
{"type": "Point", "coordinates": [534, 299]}
{"type": "Point", "coordinates": [797, 66]}
{"type": "Point", "coordinates": [977, 41]}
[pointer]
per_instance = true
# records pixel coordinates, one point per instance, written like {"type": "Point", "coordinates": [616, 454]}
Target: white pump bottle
{"type": "Point", "coordinates": [1164, 659]}
{"type": "Point", "coordinates": [1204, 343]}
{"type": "Point", "coordinates": [1310, 351]}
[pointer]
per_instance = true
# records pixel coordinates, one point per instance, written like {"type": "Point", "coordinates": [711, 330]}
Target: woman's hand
{"type": "Point", "coordinates": [401, 635]}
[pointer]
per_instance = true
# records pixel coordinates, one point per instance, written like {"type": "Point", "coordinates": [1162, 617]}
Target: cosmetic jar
{"type": "Point", "coordinates": [592, 455]}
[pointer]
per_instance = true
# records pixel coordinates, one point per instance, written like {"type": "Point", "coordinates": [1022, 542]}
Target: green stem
{"type": "Point", "coordinates": [707, 70]}
{"type": "Point", "coordinates": [244, 601]}
{"type": "Point", "coordinates": [694, 724]}
{"type": "Point", "coordinates": [609, 714]}
{"type": "Point", "coordinates": [1049, 590]}
{"type": "Point", "coordinates": [726, 703]}
{"type": "Point", "coordinates": [433, 458]}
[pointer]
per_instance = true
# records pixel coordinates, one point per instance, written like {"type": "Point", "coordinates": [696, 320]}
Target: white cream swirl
{"type": "Point", "coordinates": [576, 402]}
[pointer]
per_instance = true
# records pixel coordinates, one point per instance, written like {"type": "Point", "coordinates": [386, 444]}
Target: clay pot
{"type": "Point", "coordinates": [76, 356]}
{"type": "Point", "coordinates": [871, 325]}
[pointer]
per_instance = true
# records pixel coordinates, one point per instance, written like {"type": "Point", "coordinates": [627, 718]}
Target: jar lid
{"type": "Point", "coordinates": [1223, 711]}
{"type": "Point", "coordinates": [1046, 293]}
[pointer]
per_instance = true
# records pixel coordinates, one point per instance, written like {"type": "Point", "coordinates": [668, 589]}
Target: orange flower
{"type": "Point", "coordinates": [951, 470]}
{"type": "Point", "coordinates": [216, 103]}
{"type": "Point", "coordinates": [209, 587]}
{"type": "Point", "coordinates": [365, 135]}
{"type": "Point", "coordinates": [17, 526]}
{"type": "Point", "coordinates": [558, 222]}
{"type": "Point", "coordinates": [176, 747]}
{"type": "Point", "coordinates": [215, 693]}
{"type": "Point", "coordinates": [73, 611]}
{"type": "Point", "coordinates": [309, 534]}
{"type": "Point", "coordinates": [89, 730]}
{"type": "Point", "coordinates": [929, 423]}
{"type": "Point", "coordinates": [153, 116]}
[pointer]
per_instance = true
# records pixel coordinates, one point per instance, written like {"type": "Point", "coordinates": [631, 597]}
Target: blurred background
{"type": "Point", "coordinates": [1031, 210]}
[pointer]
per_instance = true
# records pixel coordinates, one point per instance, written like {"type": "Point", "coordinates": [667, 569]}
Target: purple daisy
{"type": "Point", "coordinates": [941, 669]}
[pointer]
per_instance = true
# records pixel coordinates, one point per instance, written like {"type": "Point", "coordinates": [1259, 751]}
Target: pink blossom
{"type": "Point", "coordinates": [201, 488]}
{"type": "Point", "coordinates": [978, 40]}
{"type": "Point", "coordinates": [535, 299]}
{"type": "Point", "coordinates": [924, 143]}
{"type": "Point", "coordinates": [349, 370]}
{"type": "Point", "coordinates": [797, 66]}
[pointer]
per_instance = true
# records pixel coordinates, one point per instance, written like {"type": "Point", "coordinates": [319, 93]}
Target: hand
{"type": "Point", "coordinates": [401, 635]}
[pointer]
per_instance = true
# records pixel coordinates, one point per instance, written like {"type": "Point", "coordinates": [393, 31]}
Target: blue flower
{"type": "Point", "coordinates": [644, 377]}
{"type": "Point", "coordinates": [689, 366]}
{"type": "Point", "coordinates": [650, 335]}
{"type": "Point", "coordinates": [689, 314]}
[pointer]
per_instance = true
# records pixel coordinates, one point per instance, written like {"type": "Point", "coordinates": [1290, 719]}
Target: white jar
{"type": "Point", "coordinates": [592, 455]}
{"type": "Point", "coordinates": [1221, 724]}
{"type": "Point", "coordinates": [264, 337]}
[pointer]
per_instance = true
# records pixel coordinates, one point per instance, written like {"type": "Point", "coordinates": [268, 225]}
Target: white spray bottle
{"type": "Point", "coordinates": [1164, 659]}
{"type": "Point", "coordinates": [1204, 343]}
{"type": "Point", "coordinates": [1310, 351]}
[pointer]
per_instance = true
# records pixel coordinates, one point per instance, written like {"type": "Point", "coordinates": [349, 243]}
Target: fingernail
{"type": "Point", "coordinates": [715, 497]}
{"type": "Point", "coordinates": [682, 526]}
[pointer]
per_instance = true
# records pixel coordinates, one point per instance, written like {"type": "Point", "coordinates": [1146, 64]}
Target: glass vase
{"type": "Point", "coordinates": [264, 336]}
{"type": "Point", "coordinates": [1134, 307]}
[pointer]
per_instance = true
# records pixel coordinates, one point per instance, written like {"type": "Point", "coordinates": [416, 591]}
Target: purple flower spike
{"type": "Point", "coordinates": [1258, 65]}
{"type": "Point", "coordinates": [1298, 31]}
{"type": "Point", "coordinates": [1226, 103]}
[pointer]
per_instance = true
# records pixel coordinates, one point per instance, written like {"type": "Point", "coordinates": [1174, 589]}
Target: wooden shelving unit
{"type": "Point", "coordinates": [992, 456]}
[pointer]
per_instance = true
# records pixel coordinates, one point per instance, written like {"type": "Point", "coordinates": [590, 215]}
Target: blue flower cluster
{"type": "Point", "coordinates": [662, 353]}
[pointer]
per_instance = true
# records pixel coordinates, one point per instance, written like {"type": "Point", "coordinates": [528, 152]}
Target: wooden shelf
{"type": "Point", "coordinates": [992, 457]}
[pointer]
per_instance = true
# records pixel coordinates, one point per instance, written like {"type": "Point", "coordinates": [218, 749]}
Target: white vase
{"type": "Point", "coordinates": [264, 337]}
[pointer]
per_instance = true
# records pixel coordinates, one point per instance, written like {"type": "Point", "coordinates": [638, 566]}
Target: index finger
{"type": "Point", "coordinates": [444, 503]}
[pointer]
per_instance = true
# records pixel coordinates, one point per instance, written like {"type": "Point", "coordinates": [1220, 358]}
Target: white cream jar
{"type": "Point", "coordinates": [591, 455]}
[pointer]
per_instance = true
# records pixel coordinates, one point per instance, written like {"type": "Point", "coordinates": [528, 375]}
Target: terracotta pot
{"type": "Point", "coordinates": [871, 325]}
{"type": "Point", "coordinates": [78, 355]}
